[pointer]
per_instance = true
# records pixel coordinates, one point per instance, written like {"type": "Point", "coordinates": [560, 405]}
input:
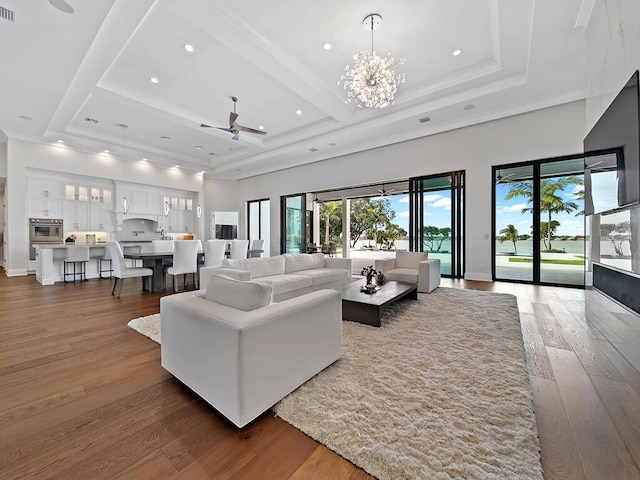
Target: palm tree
{"type": "Point", "coordinates": [551, 201]}
{"type": "Point", "coordinates": [510, 233]}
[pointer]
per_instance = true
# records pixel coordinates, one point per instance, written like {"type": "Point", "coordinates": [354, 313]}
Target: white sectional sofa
{"type": "Point", "coordinates": [240, 352]}
{"type": "Point", "coordinates": [289, 275]}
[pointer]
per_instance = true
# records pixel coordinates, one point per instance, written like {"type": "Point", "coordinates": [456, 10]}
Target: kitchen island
{"type": "Point", "coordinates": [50, 259]}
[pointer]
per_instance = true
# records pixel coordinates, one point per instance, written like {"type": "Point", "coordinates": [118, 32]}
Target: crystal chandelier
{"type": "Point", "coordinates": [372, 80]}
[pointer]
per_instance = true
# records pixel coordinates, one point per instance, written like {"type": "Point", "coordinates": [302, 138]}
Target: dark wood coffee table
{"type": "Point", "coordinates": [365, 308]}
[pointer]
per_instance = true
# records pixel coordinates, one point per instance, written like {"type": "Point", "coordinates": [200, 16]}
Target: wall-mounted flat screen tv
{"type": "Point", "coordinates": [226, 232]}
{"type": "Point", "coordinates": [612, 149]}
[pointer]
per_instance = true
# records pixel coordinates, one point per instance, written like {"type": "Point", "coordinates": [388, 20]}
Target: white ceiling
{"type": "Point", "coordinates": [59, 69]}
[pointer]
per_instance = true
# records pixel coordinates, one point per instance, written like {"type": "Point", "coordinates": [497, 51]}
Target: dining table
{"type": "Point", "coordinates": [156, 261]}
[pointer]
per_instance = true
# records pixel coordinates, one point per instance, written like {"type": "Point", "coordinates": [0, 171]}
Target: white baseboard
{"type": "Point", "coordinates": [17, 272]}
{"type": "Point", "coordinates": [481, 277]}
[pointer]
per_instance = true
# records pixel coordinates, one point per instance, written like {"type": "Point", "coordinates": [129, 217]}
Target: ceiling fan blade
{"type": "Point", "coordinates": [232, 118]}
{"type": "Point", "coordinates": [206, 126]}
{"type": "Point", "coordinates": [251, 130]}
{"type": "Point", "coordinates": [225, 129]}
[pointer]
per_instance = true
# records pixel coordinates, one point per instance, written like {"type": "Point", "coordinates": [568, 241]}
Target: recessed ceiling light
{"type": "Point", "coordinates": [25, 117]}
{"type": "Point", "coordinates": [154, 80]}
{"type": "Point", "coordinates": [106, 151]}
{"type": "Point", "coordinates": [198, 147]}
{"type": "Point", "coordinates": [62, 5]}
{"type": "Point", "coordinates": [298, 112]}
{"type": "Point", "coordinates": [469, 107]}
{"type": "Point", "coordinates": [188, 47]}
{"type": "Point", "coordinates": [211, 153]}
{"type": "Point", "coordinates": [261, 127]}
{"type": "Point", "coordinates": [457, 52]}
{"type": "Point", "coordinates": [90, 120]}
{"type": "Point", "coordinates": [60, 140]}
{"type": "Point", "coordinates": [332, 144]}
{"type": "Point", "coordinates": [327, 46]}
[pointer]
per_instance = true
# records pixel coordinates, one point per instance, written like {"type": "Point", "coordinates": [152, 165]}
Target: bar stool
{"type": "Point", "coordinates": [105, 258]}
{"type": "Point", "coordinates": [75, 255]}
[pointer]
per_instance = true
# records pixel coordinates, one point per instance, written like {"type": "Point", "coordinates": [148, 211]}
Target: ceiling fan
{"type": "Point", "coordinates": [234, 127]}
{"type": "Point", "coordinates": [499, 177]}
{"type": "Point", "coordinates": [383, 192]}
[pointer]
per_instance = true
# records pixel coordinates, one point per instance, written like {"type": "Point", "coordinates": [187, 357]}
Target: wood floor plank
{"type": "Point", "coordinates": [623, 406]}
{"type": "Point", "coordinates": [53, 451]}
{"type": "Point", "coordinates": [538, 363]}
{"type": "Point", "coordinates": [560, 458]}
{"type": "Point", "coordinates": [601, 448]}
{"type": "Point", "coordinates": [155, 466]}
{"type": "Point", "coordinates": [552, 333]}
{"type": "Point", "coordinates": [323, 464]}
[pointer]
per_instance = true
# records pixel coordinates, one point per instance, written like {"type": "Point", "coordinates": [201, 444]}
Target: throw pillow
{"type": "Point", "coordinates": [245, 296]}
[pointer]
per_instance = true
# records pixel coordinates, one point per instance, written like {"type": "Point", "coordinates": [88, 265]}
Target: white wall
{"type": "Point", "coordinates": [23, 155]}
{"type": "Point", "coordinates": [542, 134]}
{"type": "Point", "coordinates": [613, 52]}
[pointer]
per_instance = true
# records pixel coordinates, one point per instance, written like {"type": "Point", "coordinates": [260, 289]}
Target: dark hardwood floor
{"type": "Point", "coordinates": [82, 396]}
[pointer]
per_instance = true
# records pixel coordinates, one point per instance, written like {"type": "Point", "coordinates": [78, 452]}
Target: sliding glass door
{"type": "Point", "coordinates": [293, 238]}
{"type": "Point", "coordinates": [259, 222]}
{"type": "Point", "coordinates": [538, 222]}
{"type": "Point", "coordinates": [436, 212]}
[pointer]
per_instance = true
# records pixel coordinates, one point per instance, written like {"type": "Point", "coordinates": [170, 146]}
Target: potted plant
{"type": "Point", "coordinates": [369, 272]}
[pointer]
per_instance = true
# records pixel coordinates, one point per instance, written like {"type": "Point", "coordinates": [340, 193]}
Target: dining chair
{"type": "Point", "coordinates": [120, 269]}
{"type": "Point", "coordinates": [214, 253]}
{"type": "Point", "coordinates": [161, 246]}
{"type": "Point", "coordinates": [185, 261]}
{"type": "Point", "coordinates": [256, 248]}
{"type": "Point", "coordinates": [239, 249]}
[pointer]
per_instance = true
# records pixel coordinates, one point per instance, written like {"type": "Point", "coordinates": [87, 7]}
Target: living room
{"type": "Point", "coordinates": [478, 141]}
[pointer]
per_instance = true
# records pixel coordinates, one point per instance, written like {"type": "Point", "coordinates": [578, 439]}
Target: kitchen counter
{"type": "Point", "coordinates": [50, 259]}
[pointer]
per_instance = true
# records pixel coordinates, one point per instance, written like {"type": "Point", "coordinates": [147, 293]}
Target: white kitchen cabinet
{"type": "Point", "coordinates": [38, 207]}
{"type": "Point", "coordinates": [44, 187]}
{"type": "Point", "coordinates": [101, 217]}
{"type": "Point", "coordinates": [44, 197]}
{"type": "Point", "coordinates": [76, 215]}
{"type": "Point", "coordinates": [154, 204]}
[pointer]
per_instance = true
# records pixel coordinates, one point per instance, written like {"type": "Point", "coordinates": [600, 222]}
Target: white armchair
{"type": "Point", "coordinates": [242, 354]}
{"type": "Point", "coordinates": [412, 267]}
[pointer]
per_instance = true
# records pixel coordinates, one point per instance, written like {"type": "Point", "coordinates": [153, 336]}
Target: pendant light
{"type": "Point", "coordinates": [124, 202]}
{"type": "Point", "coordinates": [198, 208]}
{"type": "Point", "coordinates": [166, 207]}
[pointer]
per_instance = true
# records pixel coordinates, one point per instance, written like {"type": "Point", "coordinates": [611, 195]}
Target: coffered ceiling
{"type": "Point", "coordinates": [76, 76]}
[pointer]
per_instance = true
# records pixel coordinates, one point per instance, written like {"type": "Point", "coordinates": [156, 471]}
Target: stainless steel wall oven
{"type": "Point", "coordinates": [44, 230]}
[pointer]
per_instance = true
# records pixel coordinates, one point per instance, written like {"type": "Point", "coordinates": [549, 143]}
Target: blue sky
{"type": "Point", "coordinates": [509, 211]}
{"type": "Point", "coordinates": [438, 212]}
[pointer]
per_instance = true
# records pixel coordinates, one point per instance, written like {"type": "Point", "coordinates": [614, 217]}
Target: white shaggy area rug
{"type": "Point", "coordinates": [439, 391]}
